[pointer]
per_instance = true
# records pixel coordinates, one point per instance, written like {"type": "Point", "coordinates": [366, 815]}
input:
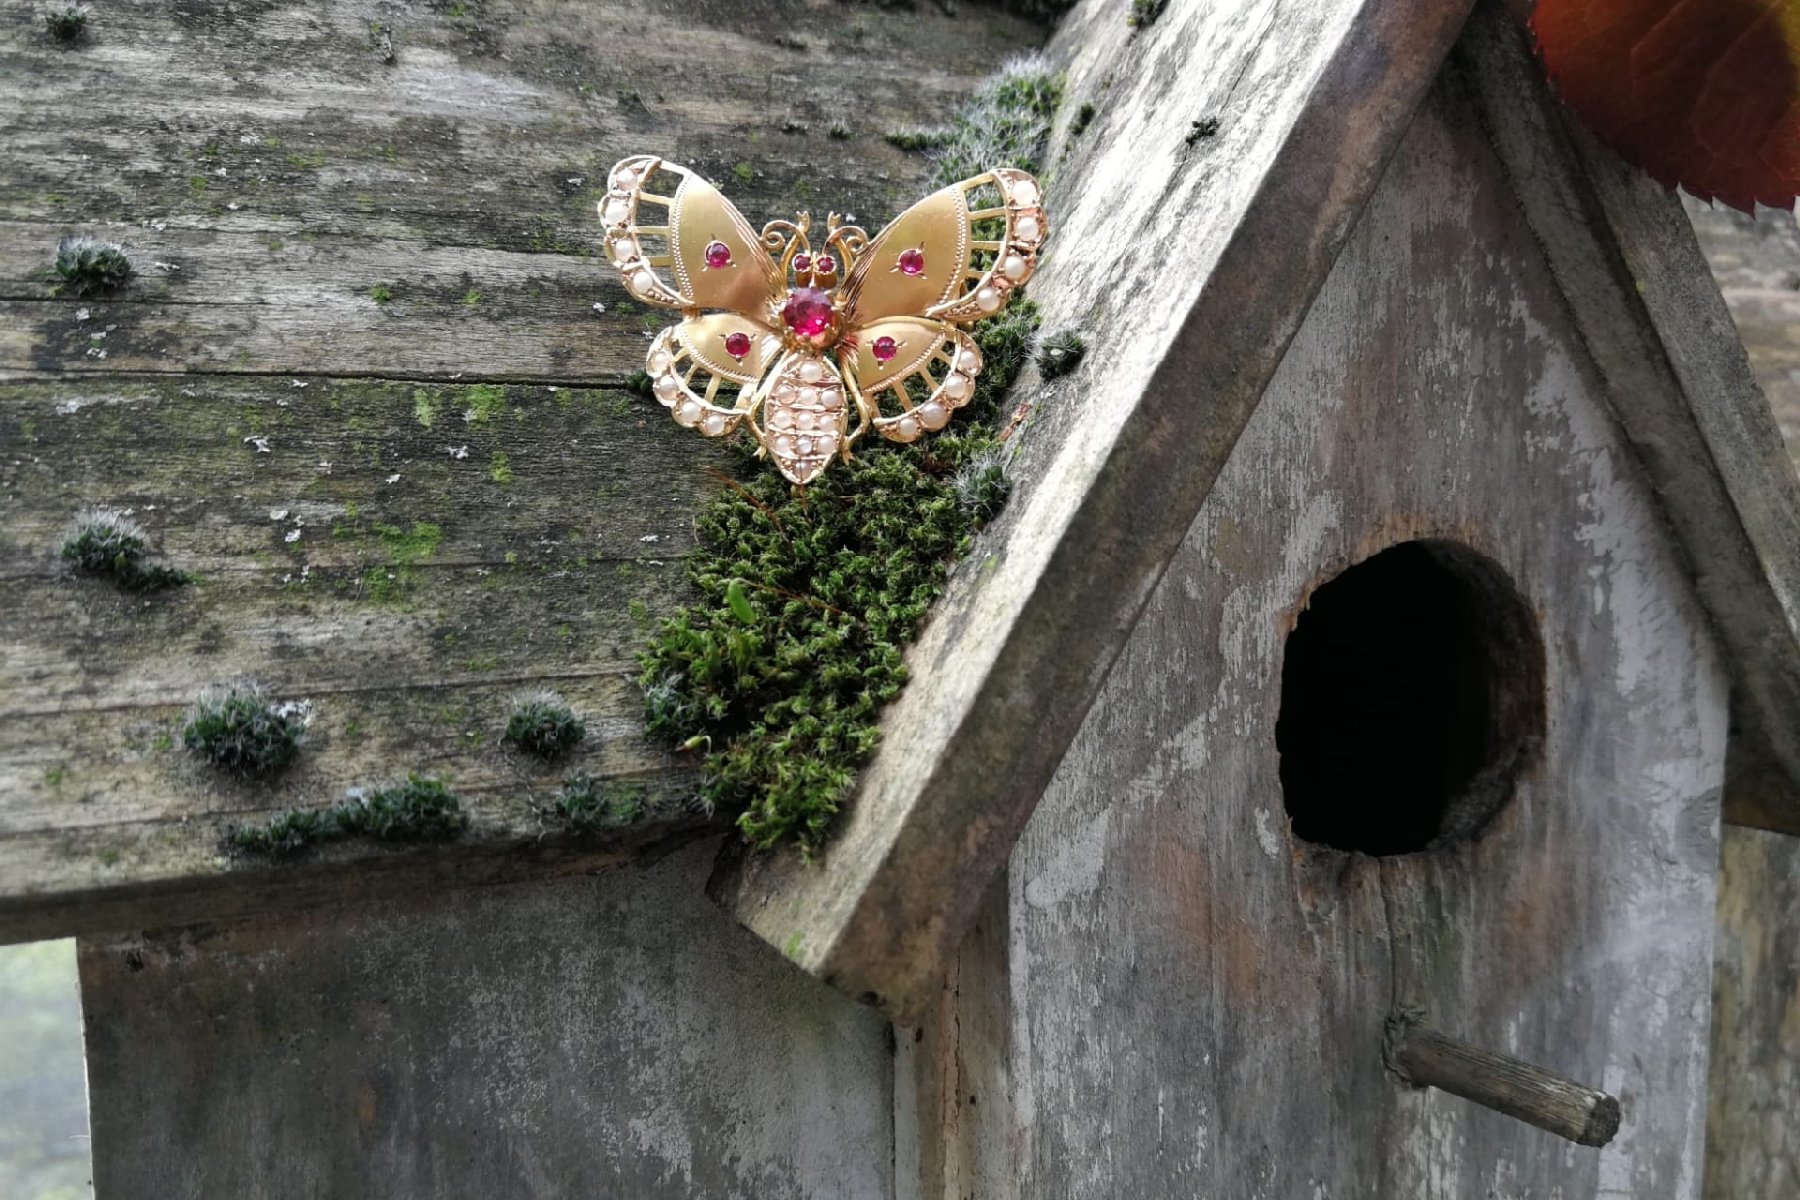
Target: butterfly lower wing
{"type": "Point", "coordinates": [705, 370]}
{"type": "Point", "coordinates": [702, 254]}
{"type": "Point", "coordinates": [954, 255]}
{"type": "Point", "coordinates": [908, 374]}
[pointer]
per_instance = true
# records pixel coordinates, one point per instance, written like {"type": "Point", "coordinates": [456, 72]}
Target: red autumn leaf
{"type": "Point", "coordinates": [1704, 94]}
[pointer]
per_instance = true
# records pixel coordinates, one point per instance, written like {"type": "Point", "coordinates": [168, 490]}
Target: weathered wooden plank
{"type": "Point", "coordinates": [1200, 992]}
{"type": "Point", "coordinates": [278, 170]}
{"type": "Point", "coordinates": [1752, 1142]}
{"type": "Point", "coordinates": [596, 1037]}
{"type": "Point", "coordinates": [403, 558]}
{"type": "Point", "coordinates": [1625, 255]}
{"type": "Point", "coordinates": [1755, 260]}
{"type": "Point", "coordinates": [1187, 260]}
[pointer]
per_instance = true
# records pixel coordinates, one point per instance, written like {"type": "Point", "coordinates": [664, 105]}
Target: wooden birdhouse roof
{"type": "Point", "coordinates": [1229, 160]}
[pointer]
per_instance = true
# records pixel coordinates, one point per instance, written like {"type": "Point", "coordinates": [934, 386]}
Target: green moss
{"type": "Point", "coordinates": [105, 543]}
{"type": "Point", "coordinates": [744, 172]}
{"type": "Point", "coordinates": [240, 729]}
{"type": "Point", "coordinates": [485, 402]}
{"type": "Point", "coordinates": [1061, 353]}
{"type": "Point", "coordinates": [406, 549]}
{"type": "Point", "coordinates": [381, 293]}
{"type": "Point", "coordinates": [1143, 13]}
{"type": "Point", "coordinates": [424, 406]}
{"type": "Point", "coordinates": [915, 138]}
{"type": "Point", "coordinates": [500, 467]}
{"type": "Point", "coordinates": [1006, 123]}
{"type": "Point", "coordinates": [542, 724]}
{"type": "Point", "coordinates": [418, 810]}
{"type": "Point", "coordinates": [471, 298]}
{"type": "Point", "coordinates": [638, 384]}
{"type": "Point", "coordinates": [837, 132]}
{"type": "Point", "coordinates": [89, 267]}
{"type": "Point", "coordinates": [67, 23]}
{"type": "Point", "coordinates": [590, 805]}
{"type": "Point", "coordinates": [1084, 116]}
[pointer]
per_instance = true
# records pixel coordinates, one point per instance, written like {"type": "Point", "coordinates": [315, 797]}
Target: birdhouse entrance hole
{"type": "Point", "coordinates": [1412, 695]}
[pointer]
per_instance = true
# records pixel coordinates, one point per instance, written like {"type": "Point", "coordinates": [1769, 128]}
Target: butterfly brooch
{"type": "Point", "coordinates": [811, 349]}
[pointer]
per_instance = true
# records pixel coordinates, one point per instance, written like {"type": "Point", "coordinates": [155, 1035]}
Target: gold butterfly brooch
{"type": "Point", "coordinates": [798, 338]}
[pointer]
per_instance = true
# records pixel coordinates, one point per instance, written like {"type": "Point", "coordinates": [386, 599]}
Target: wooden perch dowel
{"type": "Point", "coordinates": [1425, 1058]}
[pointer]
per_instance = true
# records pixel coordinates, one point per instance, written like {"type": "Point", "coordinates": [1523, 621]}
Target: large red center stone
{"type": "Point", "coordinates": [807, 311]}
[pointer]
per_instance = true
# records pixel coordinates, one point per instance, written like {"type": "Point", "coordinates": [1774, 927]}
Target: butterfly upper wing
{"type": "Point", "coordinates": [978, 240]}
{"type": "Point", "coordinates": [666, 263]}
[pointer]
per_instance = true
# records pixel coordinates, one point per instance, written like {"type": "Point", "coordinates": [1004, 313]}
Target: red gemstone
{"type": "Point", "coordinates": [884, 349]}
{"type": "Point", "coordinates": [802, 262]}
{"type": "Point", "coordinates": [912, 262]}
{"type": "Point", "coordinates": [718, 255]}
{"type": "Point", "coordinates": [826, 265]}
{"type": "Point", "coordinates": [807, 311]}
{"type": "Point", "coordinates": [737, 345]}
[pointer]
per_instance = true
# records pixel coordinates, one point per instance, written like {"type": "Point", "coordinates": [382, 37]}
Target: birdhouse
{"type": "Point", "coordinates": [1312, 783]}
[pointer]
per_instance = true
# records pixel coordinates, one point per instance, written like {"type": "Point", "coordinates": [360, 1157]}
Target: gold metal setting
{"type": "Point", "coordinates": [801, 340]}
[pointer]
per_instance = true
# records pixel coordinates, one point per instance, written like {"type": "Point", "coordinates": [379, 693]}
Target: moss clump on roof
{"type": "Point", "coordinates": [107, 544]}
{"type": "Point", "coordinates": [240, 729]}
{"type": "Point", "coordinates": [543, 725]}
{"type": "Point", "coordinates": [419, 810]}
{"type": "Point", "coordinates": [68, 23]}
{"type": "Point", "coordinates": [89, 267]}
{"type": "Point", "coordinates": [1060, 353]}
{"type": "Point", "coordinates": [590, 805]}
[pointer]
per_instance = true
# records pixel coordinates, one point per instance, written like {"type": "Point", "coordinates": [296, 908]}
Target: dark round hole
{"type": "Point", "coordinates": [1412, 695]}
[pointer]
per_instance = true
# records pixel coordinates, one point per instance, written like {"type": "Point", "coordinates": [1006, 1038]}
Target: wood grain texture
{"type": "Point", "coordinates": [1200, 995]}
{"type": "Point", "coordinates": [378, 532]}
{"type": "Point", "coordinates": [615, 1036]}
{"type": "Point", "coordinates": [1638, 285]}
{"type": "Point", "coordinates": [1752, 1141]}
{"type": "Point", "coordinates": [1310, 99]}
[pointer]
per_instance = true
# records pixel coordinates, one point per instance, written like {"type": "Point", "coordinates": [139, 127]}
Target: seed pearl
{"type": "Point", "coordinates": [643, 282]}
{"type": "Point", "coordinates": [987, 299]}
{"type": "Point", "coordinates": [907, 427]}
{"type": "Point", "coordinates": [687, 412]}
{"type": "Point", "coordinates": [811, 370]}
{"type": "Point", "coordinates": [830, 399]}
{"type": "Point", "coordinates": [969, 361]}
{"type": "Point", "coordinates": [668, 387]}
{"type": "Point", "coordinates": [659, 362]}
{"type": "Point", "coordinates": [714, 424]}
{"type": "Point", "coordinates": [616, 212]}
{"type": "Point", "coordinates": [809, 396]}
{"type": "Point", "coordinates": [1013, 267]}
{"type": "Point", "coordinates": [1025, 192]}
{"type": "Point", "coordinates": [804, 420]}
{"type": "Point", "coordinates": [784, 445]}
{"type": "Point", "coordinates": [804, 445]}
{"type": "Point", "coordinates": [956, 387]}
{"type": "Point", "coordinates": [624, 248]}
{"type": "Point", "coordinates": [932, 415]}
{"type": "Point", "coordinates": [1027, 229]}
{"type": "Point", "coordinates": [781, 418]}
{"type": "Point", "coordinates": [627, 179]}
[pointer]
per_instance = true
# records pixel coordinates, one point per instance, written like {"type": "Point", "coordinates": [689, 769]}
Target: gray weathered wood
{"type": "Point", "coordinates": [613, 1036]}
{"type": "Point", "coordinates": [1423, 1057]}
{"type": "Point", "coordinates": [1187, 263]}
{"type": "Point", "coordinates": [1639, 288]}
{"type": "Point", "coordinates": [1200, 994]}
{"type": "Point", "coordinates": [268, 170]}
{"type": "Point", "coordinates": [1752, 1138]}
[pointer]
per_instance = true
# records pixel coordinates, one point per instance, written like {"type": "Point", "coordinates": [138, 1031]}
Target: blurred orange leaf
{"type": "Point", "coordinates": [1704, 94]}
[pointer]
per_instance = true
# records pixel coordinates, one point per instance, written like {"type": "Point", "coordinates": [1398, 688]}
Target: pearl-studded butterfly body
{"type": "Point", "coordinates": [804, 335]}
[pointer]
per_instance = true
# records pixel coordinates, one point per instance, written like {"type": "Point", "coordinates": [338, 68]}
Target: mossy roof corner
{"type": "Point", "coordinates": [1017, 650]}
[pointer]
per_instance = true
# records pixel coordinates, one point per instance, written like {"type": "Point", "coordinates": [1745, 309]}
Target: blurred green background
{"type": "Point", "coordinates": [43, 1090]}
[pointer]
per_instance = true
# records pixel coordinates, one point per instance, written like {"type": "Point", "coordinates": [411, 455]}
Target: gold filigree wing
{"type": "Point", "coordinates": [954, 255]}
{"type": "Point", "coordinates": [908, 374]}
{"type": "Point", "coordinates": [705, 370]}
{"type": "Point", "coordinates": [688, 249]}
